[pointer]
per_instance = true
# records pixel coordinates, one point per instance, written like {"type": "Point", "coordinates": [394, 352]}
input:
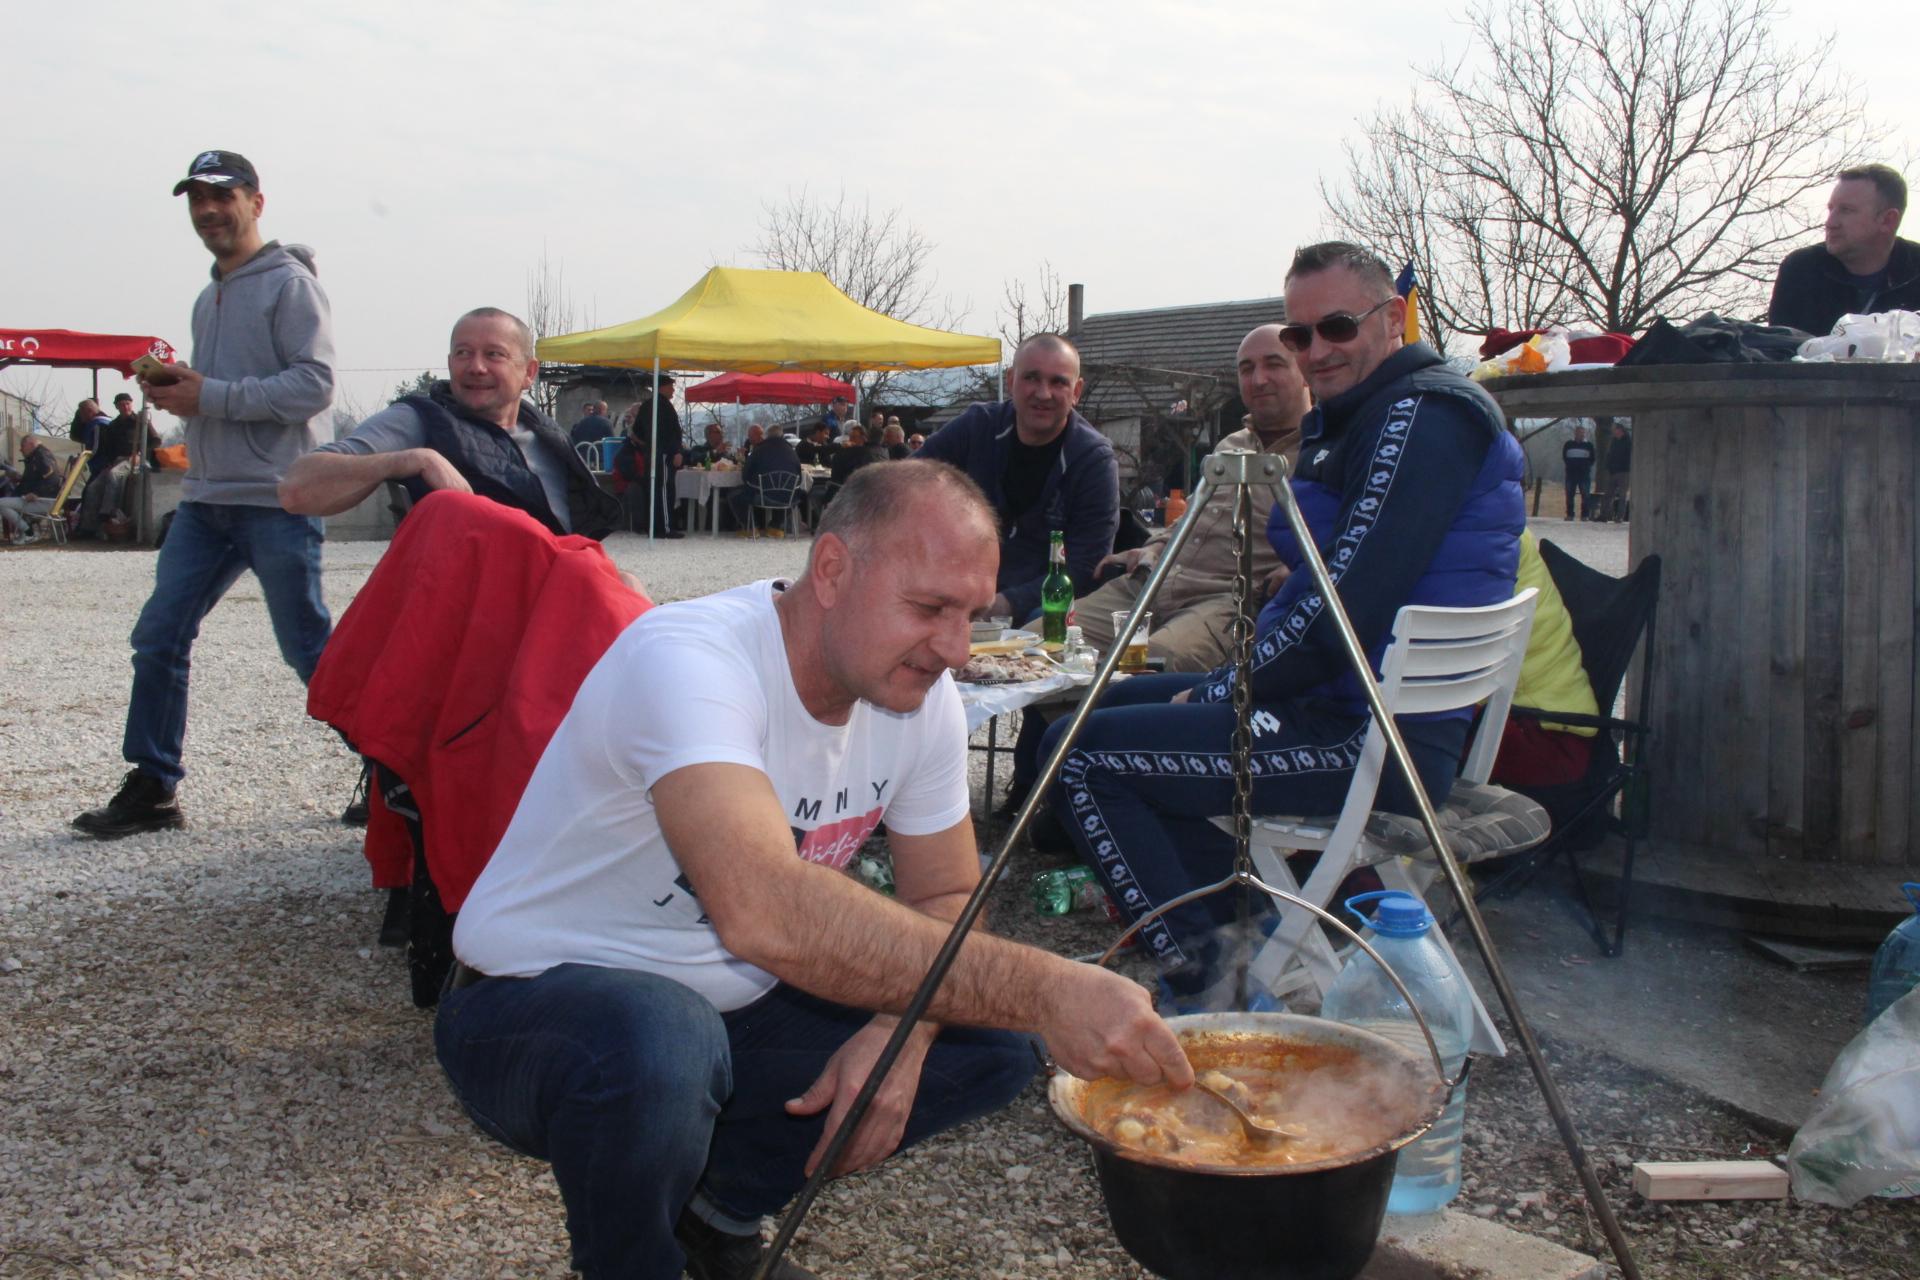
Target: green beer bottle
{"type": "Point", "coordinates": [1056, 594]}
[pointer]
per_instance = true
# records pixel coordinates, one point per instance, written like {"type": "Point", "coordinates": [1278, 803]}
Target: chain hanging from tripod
{"type": "Point", "coordinates": [1241, 634]}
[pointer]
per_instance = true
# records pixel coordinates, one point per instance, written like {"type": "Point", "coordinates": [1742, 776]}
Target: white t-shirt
{"type": "Point", "coordinates": [583, 874]}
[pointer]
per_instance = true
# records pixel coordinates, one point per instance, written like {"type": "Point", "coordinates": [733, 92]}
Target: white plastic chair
{"type": "Point", "coordinates": [776, 492]}
{"type": "Point", "coordinates": [1441, 659]}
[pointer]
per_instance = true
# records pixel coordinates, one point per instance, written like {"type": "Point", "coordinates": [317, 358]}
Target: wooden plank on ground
{"type": "Point", "coordinates": [1806, 957]}
{"type": "Point", "coordinates": [1710, 1180]}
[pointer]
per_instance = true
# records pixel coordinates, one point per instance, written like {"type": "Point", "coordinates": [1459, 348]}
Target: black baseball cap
{"type": "Point", "coordinates": [219, 169]}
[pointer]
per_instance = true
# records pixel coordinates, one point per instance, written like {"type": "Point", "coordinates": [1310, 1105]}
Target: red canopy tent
{"type": "Point", "coordinates": [65, 349]}
{"type": "Point", "coordinates": [768, 388]}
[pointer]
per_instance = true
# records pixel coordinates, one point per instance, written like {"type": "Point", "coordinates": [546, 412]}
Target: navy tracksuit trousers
{"type": "Point", "coordinates": [1138, 789]}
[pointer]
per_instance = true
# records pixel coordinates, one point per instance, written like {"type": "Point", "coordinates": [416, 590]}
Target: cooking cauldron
{"type": "Point", "coordinates": [1309, 1221]}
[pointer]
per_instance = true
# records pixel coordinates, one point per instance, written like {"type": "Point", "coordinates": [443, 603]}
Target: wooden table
{"type": "Point", "coordinates": [1782, 501]}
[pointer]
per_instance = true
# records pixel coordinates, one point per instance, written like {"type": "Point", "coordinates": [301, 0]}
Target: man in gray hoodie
{"type": "Point", "coordinates": [259, 384]}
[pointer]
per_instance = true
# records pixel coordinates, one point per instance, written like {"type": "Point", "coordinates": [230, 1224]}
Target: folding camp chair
{"type": "Point", "coordinates": [55, 517]}
{"type": "Point", "coordinates": [1440, 660]}
{"type": "Point", "coordinates": [1609, 615]}
{"type": "Point", "coordinates": [777, 494]}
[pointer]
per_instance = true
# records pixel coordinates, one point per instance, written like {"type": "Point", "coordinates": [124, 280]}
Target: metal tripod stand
{"type": "Point", "coordinates": [1235, 473]}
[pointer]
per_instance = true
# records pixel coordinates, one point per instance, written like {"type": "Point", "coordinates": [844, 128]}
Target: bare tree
{"type": "Point", "coordinates": [879, 259]}
{"type": "Point", "coordinates": [1602, 162]}
{"type": "Point", "coordinates": [550, 313]}
{"type": "Point", "coordinates": [1023, 314]}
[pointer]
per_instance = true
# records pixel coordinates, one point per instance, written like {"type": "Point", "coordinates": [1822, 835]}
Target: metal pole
{"type": "Point", "coordinates": [950, 950]}
{"type": "Point", "coordinates": [656, 473]}
{"type": "Point", "coordinates": [1456, 882]}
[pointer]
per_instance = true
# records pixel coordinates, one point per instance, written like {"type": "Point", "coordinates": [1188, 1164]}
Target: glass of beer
{"type": "Point", "coordinates": [1135, 657]}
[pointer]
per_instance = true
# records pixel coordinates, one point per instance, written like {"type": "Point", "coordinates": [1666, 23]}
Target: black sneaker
{"type": "Point", "coordinates": [712, 1254]}
{"type": "Point", "coordinates": [143, 803]}
{"type": "Point", "coordinates": [355, 814]}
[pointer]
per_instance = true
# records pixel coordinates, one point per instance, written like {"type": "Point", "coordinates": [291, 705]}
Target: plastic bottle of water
{"type": "Point", "coordinates": [1896, 966]}
{"type": "Point", "coordinates": [1428, 1175]}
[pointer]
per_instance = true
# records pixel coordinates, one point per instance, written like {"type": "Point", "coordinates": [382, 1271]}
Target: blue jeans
{"type": "Point", "coordinates": [647, 1100]}
{"type": "Point", "coordinates": [1137, 792]}
{"type": "Point", "coordinates": [207, 547]}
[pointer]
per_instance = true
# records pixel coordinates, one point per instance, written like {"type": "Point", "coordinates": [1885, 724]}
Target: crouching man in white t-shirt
{"type": "Point", "coordinates": [679, 1008]}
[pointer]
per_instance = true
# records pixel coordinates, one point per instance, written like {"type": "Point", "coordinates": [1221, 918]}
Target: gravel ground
{"type": "Point", "coordinates": [207, 1069]}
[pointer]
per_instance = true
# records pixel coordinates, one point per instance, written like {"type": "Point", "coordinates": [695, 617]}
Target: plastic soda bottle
{"type": "Point", "coordinates": [1066, 890]}
{"type": "Point", "coordinates": [1428, 1175]}
{"type": "Point", "coordinates": [1896, 966]}
{"type": "Point", "coordinates": [1056, 593]}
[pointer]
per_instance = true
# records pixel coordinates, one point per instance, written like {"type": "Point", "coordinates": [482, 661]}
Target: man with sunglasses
{"type": "Point", "coordinates": [1412, 487]}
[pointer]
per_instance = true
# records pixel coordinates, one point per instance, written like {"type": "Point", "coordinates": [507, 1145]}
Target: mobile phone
{"type": "Point", "coordinates": [154, 371]}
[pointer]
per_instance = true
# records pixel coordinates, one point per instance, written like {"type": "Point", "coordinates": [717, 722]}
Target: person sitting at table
{"type": "Point", "coordinates": [856, 454]}
{"type": "Point", "coordinates": [1193, 613]}
{"type": "Point", "coordinates": [817, 449]}
{"type": "Point", "coordinates": [1044, 468]}
{"type": "Point", "coordinates": [716, 448]}
{"type": "Point", "coordinates": [1411, 485]}
{"type": "Point", "coordinates": [473, 433]}
{"type": "Point", "coordinates": [756, 436]}
{"type": "Point", "coordinates": [773, 456]}
{"type": "Point", "coordinates": [894, 440]}
{"type": "Point", "coordinates": [1861, 265]}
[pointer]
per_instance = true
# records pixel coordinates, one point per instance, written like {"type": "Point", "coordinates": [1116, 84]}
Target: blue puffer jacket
{"type": "Point", "coordinates": [1412, 486]}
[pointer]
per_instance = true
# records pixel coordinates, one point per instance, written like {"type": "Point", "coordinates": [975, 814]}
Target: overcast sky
{"type": "Point", "coordinates": [1159, 153]}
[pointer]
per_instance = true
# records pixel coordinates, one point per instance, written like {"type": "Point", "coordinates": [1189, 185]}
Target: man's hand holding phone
{"type": "Point", "coordinates": [173, 387]}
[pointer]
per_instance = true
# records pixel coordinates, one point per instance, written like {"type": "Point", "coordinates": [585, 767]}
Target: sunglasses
{"type": "Point", "coordinates": [1338, 327]}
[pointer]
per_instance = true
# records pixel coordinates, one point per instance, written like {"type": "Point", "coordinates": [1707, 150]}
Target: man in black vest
{"type": "Point", "coordinates": [472, 433]}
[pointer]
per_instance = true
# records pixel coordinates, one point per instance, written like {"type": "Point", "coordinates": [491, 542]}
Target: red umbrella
{"type": "Point", "coordinates": [768, 388]}
{"type": "Point", "coordinates": [65, 349]}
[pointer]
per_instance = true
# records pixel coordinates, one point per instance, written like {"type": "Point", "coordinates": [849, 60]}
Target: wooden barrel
{"type": "Point", "coordinates": [1782, 500]}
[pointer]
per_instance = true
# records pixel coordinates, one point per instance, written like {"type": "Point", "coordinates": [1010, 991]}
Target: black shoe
{"type": "Point", "coordinates": [355, 814]}
{"type": "Point", "coordinates": [669, 533]}
{"type": "Point", "coordinates": [396, 926]}
{"type": "Point", "coordinates": [712, 1254]}
{"type": "Point", "coordinates": [143, 803]}
{"type": "Point", "coordinates": [1009, 808]}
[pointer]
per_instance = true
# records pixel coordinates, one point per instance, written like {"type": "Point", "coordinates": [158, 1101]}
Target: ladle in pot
{"type": "Point", "coordinates": [1261, 1133]}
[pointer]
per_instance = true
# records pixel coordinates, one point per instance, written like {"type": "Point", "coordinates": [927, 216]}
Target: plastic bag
{"type": "Point", "coordinates": [1864, 1137]}
{"type": "Point", "coordinates": [1542, 353]}
{"type": "Point", "coordinates": [1890, 336]}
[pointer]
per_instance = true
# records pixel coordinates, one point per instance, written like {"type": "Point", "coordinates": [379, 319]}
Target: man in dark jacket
{"type": "Point", "coordinates": [772, 457]}
{"type": "Point", "coordinates": [1576, 456]}
{"type": "Point", "coordinates": [472, 433]}
{"type": "Point", "coordinates": [1614, 499]}
{"type": "Point", "coordinates": [594, 425]}
{"type": "Point", "coordinates": [1862, 267]}
{"type": "Point", "coordinates": [1412, 487]}
{"type": "Point", "coordinates": [1044, 467]}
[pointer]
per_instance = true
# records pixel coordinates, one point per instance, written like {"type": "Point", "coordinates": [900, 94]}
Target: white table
{"type": "Point", "coordinates": [703, 488]}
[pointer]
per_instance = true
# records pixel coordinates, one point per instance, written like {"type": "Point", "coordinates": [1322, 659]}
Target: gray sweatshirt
{"type": "Point", "coordinates": [263, 340]}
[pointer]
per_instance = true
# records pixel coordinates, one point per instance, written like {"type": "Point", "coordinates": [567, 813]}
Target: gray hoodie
{"type": "Point", "coordinates": [263, 340]}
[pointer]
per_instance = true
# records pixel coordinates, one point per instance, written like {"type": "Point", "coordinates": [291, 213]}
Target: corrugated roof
{"type": "Point", "coordinates": [1123, 350]}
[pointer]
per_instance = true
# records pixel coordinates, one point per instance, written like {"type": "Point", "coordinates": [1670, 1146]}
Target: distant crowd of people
{"type": "Point", "coordinates": [771, 462]}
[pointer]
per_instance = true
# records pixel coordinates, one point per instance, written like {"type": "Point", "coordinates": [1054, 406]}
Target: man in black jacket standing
{"type": "Point", "coordinates": [1862, 267]}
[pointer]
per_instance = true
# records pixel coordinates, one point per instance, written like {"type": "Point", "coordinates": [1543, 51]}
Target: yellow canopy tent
{"type": "Point", "coordinates": [739, 319]}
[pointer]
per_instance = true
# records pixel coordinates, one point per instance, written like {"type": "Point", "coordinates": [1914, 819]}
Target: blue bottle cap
{"type": "Point", "coordinates": [1398, 914]}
